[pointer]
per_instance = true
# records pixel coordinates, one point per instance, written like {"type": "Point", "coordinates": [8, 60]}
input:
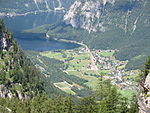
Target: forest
{"type": "Point", "coordinates": [105, 100]}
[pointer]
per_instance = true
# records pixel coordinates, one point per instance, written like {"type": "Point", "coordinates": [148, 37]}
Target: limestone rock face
{"type": "Point", "coordinates": [6, 93]}
{"type": "Point", "coordinates": [144, 98]}
{"type": "Point", "coordinates": [101, 15]}
{"type": "Point", "coordinates": [147, 83]}
{"type": "Point", "coordinates": [86, 15]}
{"type": "Point", "coordinates": [4, 42]}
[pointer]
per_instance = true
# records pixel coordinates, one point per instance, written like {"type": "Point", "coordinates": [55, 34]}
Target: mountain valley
{"type": "Point", "coordinates": [74, 56]}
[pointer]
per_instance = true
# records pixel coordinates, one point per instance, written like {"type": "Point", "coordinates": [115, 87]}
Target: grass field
{"type": "Point", "coordinates": [55, 55]}
{"type": "Point", "coordinates": [69, 91]}
{"type": "Point", "coordinates": [127, 93]}
{"type": "Point", "coordinates": [92, 80]}
{"type": "Point", "coordinates": [73, 59]}
{"type": "Point", "coordinates": [106, 54]}
{"type": "Point", "coordinates": [104, 71]}
{"type": "Point", "coordinates": [138, 57]}
{"type": "Point", "coordinates": [64, 86]}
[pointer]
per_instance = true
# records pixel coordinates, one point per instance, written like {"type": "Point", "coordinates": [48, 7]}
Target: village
{"type": "Point", "coordinates": [113, 69]}
{"type": "Point", "coordinates": [91, 65]}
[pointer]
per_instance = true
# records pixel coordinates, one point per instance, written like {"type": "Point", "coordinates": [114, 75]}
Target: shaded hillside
{"type": "Point", "coordinates": [18, 75]}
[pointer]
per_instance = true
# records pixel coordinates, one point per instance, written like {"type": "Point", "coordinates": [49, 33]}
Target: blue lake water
{"type": "Point", "coordinates": [36, 41]}
{"type": "Point", "coordinates": [45, 45]}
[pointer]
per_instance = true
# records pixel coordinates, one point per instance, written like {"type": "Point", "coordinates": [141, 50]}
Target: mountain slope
{"type": "Point", "coordinates": [100, 15]}
{"type": "Point", "coordinates": [18, 77]}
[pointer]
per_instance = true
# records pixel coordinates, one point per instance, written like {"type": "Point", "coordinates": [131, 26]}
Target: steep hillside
{"type": "Point", "coordinates": [100, 15]}
{"type": "Point", "coordinates": [18, 77]}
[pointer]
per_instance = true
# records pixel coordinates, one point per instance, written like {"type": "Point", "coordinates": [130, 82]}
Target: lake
{"type": "Point", "coordinates": [45, 45]}
{"type": "Point", "coordinates": [36, 42]}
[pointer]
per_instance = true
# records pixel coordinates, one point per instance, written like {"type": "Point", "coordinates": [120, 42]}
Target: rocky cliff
{"type": "Point", "coordinates": [101, 15]}
{"type": "Point", "coordinates": [144, 97]}
{"type": "Point", "coordinates": [4, 41]}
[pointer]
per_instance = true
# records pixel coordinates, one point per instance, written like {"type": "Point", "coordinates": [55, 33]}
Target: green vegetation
{"type": "Point", "coordinates": [54, 72]}
{"type": "Point", "coordinates": [147, 67]}
{"type": "Point", "coordinates": [16, 71]}
{"type": "Point", "coordinates": [105, 54]}
{"type": "Point", "coordinates": [72, 58]}
{"type": "Point", "coordinates": [105, 100]}
{"type": "Point", "coordinates": [127, 93]}
{"type": "Point", "coordinates": [145, 71]}
{"type": "Point", "coordinates": [77, 64]}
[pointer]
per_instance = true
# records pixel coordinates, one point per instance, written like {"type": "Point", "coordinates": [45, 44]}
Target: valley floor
{"type": "Point", "coordinates": [93, 65]}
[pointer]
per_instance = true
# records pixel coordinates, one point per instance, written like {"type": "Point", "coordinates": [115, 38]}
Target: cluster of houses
{"type": "Point", "coordinates": [115, 68]}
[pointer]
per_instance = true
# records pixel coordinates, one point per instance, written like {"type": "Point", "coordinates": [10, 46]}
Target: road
{"type": "Point", "coordinates": [92, 58]}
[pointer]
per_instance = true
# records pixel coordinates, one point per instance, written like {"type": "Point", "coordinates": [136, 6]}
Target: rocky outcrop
{"type": "Point", "coordinates": [144, 97]}
{"type": "Point", "coordinates": [4, 42]}
{"type": "Point", "coordinates": [147, 82]}
{"type": "Point", "coordinates": [6, 93]}
{"type": "Point", "coordinates": [86, 15]}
